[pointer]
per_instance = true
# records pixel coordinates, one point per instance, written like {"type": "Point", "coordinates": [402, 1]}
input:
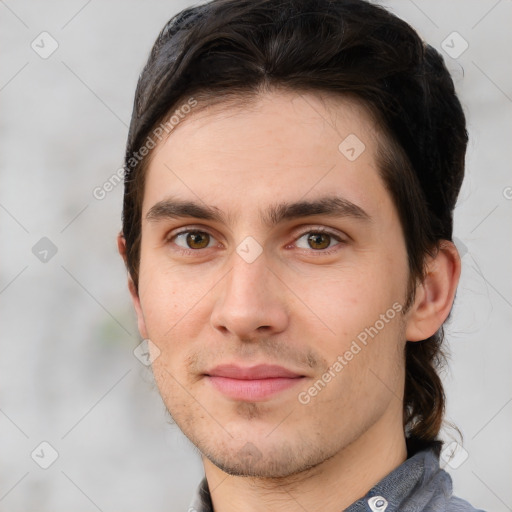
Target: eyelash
{"type": "Point", "coordinates": [327, 251]}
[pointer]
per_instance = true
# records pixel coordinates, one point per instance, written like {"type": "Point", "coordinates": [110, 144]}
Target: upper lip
{"type": "Point", "coordinates": [262, 371]}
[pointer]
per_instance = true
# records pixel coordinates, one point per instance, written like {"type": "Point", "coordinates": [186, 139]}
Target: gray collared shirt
{"type": "Point", "coordinates": [417, 485]}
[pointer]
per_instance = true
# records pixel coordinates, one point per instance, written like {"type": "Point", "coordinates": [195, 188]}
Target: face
{"type": "Point", "coordinates": [272, 274]}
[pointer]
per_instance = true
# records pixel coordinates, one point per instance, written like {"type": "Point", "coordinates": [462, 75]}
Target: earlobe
{"type": "Point", "coordinates": [435, 295]}
{"type": "Point", "coordinates": [121, 246]}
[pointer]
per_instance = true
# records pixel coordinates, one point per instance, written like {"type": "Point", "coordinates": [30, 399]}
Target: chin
{"type": "Point", "coordinates": [270, 462]}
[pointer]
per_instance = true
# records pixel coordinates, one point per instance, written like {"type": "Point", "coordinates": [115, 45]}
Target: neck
{"type": "Point", "coordinates": [331, 486]}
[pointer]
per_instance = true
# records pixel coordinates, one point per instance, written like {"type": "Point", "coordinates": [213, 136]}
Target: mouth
{"type": "Point", "coordinates": [254, 383]}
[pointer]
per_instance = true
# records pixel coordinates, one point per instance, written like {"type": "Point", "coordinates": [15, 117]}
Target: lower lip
{"type": "Point", "coordinates": [252, 390]}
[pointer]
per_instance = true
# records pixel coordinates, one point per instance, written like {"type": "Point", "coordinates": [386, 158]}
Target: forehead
{"type": "Point", "coordinates": [279, 146]}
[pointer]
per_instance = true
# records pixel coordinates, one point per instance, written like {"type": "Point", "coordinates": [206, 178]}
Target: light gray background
{"type": "Point", "coordinates": [68, 374]}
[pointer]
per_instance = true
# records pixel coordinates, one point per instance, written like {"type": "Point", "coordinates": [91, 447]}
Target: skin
{"type": "Point", "coordinates": [295, 305]}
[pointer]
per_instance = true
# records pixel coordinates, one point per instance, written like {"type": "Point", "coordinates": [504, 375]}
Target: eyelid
{"type": "Point", "coordinates": [190, 229]}
{"type": "Point", "coordinates": [307, 228]}
{"type": "Point", "coordinates": [342, 237]}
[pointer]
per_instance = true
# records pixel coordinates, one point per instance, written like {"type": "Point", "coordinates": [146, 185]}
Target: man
{"type": "Point", "coordinates": [291, 173]}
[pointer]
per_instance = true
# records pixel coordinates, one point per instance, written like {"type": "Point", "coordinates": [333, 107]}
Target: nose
{"type": "Point", "coordinates": [251, 301]}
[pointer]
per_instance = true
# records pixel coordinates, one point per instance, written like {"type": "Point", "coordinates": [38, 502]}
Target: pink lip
{"type": "Point", "coordinates": [252, 384]}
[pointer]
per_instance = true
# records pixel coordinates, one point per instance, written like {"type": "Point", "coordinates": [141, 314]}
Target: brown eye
{"type": "Point", "coordinates": [198, 240]}
{"type": "Point", "coordinates": [319, 240]}
{"type": "Point", "coordinates": [193, 240]}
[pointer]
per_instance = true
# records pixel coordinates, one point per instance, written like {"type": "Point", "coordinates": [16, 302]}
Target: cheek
{"type": "Point", "coordinates": [159, 301]}
{"type": "Point", "coordinates": [361, 305]}
{"type": "Point", "coordinates": [174, 302]}
{"type": "Point", "coordinates": [352, 298]}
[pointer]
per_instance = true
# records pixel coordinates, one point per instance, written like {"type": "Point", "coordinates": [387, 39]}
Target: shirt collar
{"type": "Point", "coordinates": [411, 486]}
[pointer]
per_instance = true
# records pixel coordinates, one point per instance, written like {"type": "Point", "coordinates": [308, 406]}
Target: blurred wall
{"type": "Point", "coordinates": [68, 376]}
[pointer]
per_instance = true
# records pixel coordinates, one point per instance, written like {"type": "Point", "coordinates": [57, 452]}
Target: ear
{"type": "Point", "coordinates": [121, 246]}
{"type": "Point", "coordinates": [435, 295]}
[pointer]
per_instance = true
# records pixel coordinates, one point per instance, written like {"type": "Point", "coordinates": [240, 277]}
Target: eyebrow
{"type": "Point", "coordinates": [332, 206]}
